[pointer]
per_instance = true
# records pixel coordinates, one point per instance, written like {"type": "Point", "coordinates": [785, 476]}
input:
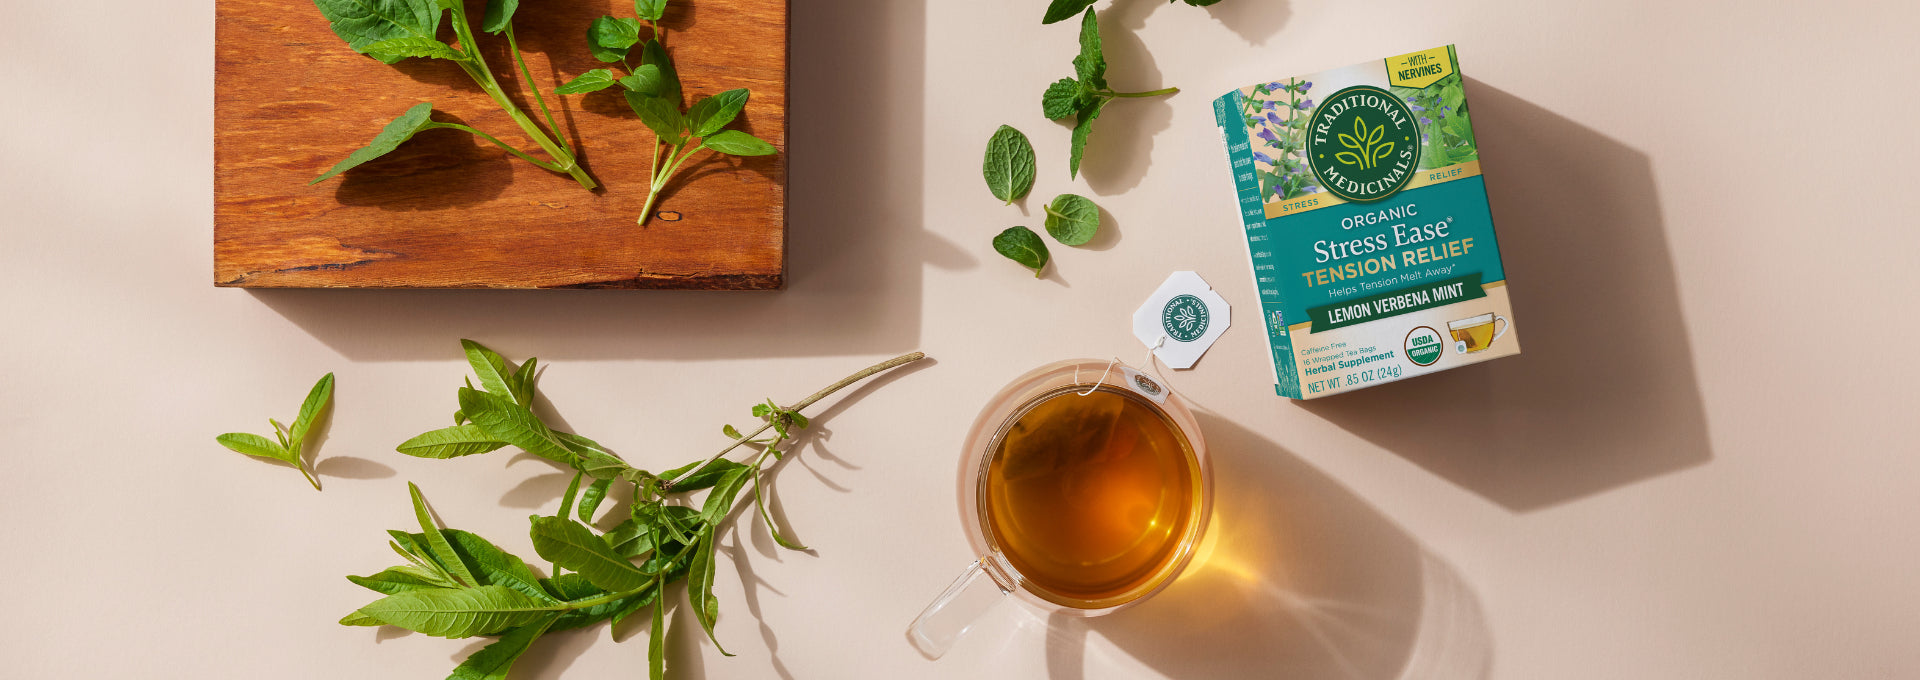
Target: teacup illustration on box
{"type": "Point", "coordinates": [1476, 333]}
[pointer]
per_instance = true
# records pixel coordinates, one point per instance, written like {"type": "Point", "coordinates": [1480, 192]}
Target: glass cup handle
{"type": "Point", "coordinates": [982, 585]}
{"type": "Point", "coordinates": [1504, 326]}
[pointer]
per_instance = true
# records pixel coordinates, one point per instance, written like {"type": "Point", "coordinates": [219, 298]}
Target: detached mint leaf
{"type": "Point", "coordinates": [712, 113]}
{"type": "Point", "coordinates": [609, 38]}
{"type": "Point", "coordinates": [737, 143]}
{"type": "Point", "coordinates": [396, 49]}
{"type": "Point", "coordinates": [1061, 99]}
{"type": "Point", "coordinates": [390, 138]}
{"type": "Point", "coordinates": [499, 15]}
{"type": "Point", "coordinates": [1021, 245]}
{"type": "Point", "coordinates": [591, 81]}
{"type": "Point", "coordinates": [1009, 165]}
{"type": "Point", "coordinates": [652, 10]}
{"type": "Point", "coordinates": [1062, 10]}
{"type": "Point", "coordinates": [1072, 219]}
{"type": "Point", "coordinates": [364, 22]}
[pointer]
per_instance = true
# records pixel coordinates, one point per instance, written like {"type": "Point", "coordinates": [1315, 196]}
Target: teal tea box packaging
{"type": "Point", "coordinates": [1366, 220]}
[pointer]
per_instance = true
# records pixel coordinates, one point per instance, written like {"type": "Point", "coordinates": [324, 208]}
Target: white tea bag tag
{"type": "Point", "coordinates": [1182, 319]}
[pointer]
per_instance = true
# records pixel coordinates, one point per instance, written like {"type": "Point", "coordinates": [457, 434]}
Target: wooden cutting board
{"type": "Point", "coordinates": [447, 210]}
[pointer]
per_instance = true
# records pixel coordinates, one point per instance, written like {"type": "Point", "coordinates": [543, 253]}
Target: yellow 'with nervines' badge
{"type": "Point", "coordinates": [1419, 69]}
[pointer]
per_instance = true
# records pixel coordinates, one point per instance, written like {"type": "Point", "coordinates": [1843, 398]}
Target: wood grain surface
{"type": "Point", "coordinates": [448, 210]}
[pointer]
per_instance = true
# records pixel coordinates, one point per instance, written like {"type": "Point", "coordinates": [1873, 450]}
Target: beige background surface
{"type": "Point", "coordinates": [1702, 467]}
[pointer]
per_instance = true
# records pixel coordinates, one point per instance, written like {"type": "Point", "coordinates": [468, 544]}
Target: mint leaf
{"type": "Point", "coordinates": [493, 566]}
{"type": "Point", "coordinates": [396, 580]}
{"type": "Point", "coordinates": [707, 476]}
{"type": "Point", "coordinates": [1072, 219]}
{"type": "Point", "coordinates": [591, 81]}
{"type": "Point", "coordinates": [712, 113]}
{"type": "Point", "coordinates": [1021, 245]}
{"type": "Point", "coordinates": [392, 51]}
{"type": "Point", "coordinates": [660, 114]}
{"type": "Point", "coordinates": [591, 498]}
{"type": "Point", "coordinates": [609, 38]}
{"type": "Point", "coordinates": [652, 10]}
{"type": "Point", "coordinates": [499, 15]}
{"type": "Point", "coordinates": [457, 612]}
{"type": "Point", "coordinates": [390, 138]}
{"type": "Point", "coordinates": [737, 143]}
{"type": "Point", "coordinates": [720, 500]}
{"type": "Point", "coordinates": [1061, 99]}
{"type": "Point", "coordinates": [1062, 10]}
{"type": "Point", "coordinates": [706, 607]}
{"type": "Point", "coordinates": [571, 545]}
{"type": "Point", "coordinates": [645, 79]}
{"type": "Point", "coordinates": [521, 382]}
{"type": "Point", "coordinates": [1091, 65]}
{"type": "Point", "coordinates": [364, 22]}
{"type": "Point", "coordinates": [655, 54]}
{"type": "Point", "coordinates": [1009, 165]}
{"type": "Point", "coordinates": [1082, 130]}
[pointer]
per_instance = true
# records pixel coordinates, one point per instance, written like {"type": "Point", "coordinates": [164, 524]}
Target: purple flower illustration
{"type": "Point", "coordinates": [1304, 104]}
{"type": "Point", "coordinates": [1269, 104]}
{"type": "Point", "coordinates": [1276, 86]}
{"type": "Point", "coordinates": [1262, 158]}
{"type": "Point", "coordinates": [1267, 134]}
{"type": "Point", "coordinates": [1275, 118]}
{"type": "Point", "coordinates": [1416, 107]}
{"type": "Point", "coordinates": [1302, 87]}
{"type": "Point", "coordinates": [1311, 189]}
{"type": "Point", "coordinates": [1423, 138]}
{"type": "Point", "coordinates": [1426, 121]}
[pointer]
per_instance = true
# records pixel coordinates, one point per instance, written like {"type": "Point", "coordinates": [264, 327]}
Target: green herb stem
{"type": "Point", "coordinates": [309, 475]}
{"type": "Point", "coordinates": [863, 374]}
{"type": "Point", "coordinates": [545, 165]}
{"type": "Point", "coordinates": [483, 75]}
{"type": "Point", "coordinates": [542, 101]}
{"type": "Point", "coordinates": [1155, 93]}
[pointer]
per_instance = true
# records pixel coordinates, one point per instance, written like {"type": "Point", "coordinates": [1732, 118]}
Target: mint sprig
{"type": "Point", "coordinates": [652, 89]}
{"type": "Point", "coordinates": [456, 584]}
{"type": "Point", "coordinates": [1087, 93]}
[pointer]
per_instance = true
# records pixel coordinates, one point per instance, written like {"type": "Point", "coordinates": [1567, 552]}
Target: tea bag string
{"type": "Point", "coordinates": [1151, 362]}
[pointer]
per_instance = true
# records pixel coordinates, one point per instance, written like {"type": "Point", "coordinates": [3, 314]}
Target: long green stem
{"type": "Point", "coordinates": [476, 68]}
{"type": "Point", "coordinates": [863, 374]}
{"type": "Point", "coordinates": [496, 142]}
{"type": "Point", "coordinates": [662, 176]}
{"type": "Point", "coordinates": [542, 101]}
{"type": "Point", "coordinates": [1155, 93]}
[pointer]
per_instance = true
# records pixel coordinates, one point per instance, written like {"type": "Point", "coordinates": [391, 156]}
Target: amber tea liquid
{"type": "Point", "coordinates": [1091, 498]}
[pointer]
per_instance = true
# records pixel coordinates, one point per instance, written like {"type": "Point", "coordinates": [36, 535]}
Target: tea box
{"type": "Point", "coordinates": [1367, 224]}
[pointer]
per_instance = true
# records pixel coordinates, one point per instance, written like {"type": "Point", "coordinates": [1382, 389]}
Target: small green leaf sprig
{"type": "Point", "coordinates": [1062, 10]}
{"type": "Point", "coordinates": [456, 584]}
{"type": "Point", "coordinates": [289, 443]}
{"type": "Point", "coordinates": [652, 89]}
{"type": "Point", "coordinates": [1281, 167]}
{"type": "Point", "coordinates": [1087, 93]}
{"type": "Point", "coordinates": [392, 30]}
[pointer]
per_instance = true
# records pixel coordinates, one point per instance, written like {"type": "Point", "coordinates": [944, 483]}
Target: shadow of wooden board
{"type": "Point", "coordinates": [447, 210]}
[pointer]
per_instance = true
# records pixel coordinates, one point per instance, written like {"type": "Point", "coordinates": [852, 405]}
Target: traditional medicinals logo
{"type": "Point", "coordinates": [1184, 318]}
{"type": "Point", "coordinates": [1363, 144]}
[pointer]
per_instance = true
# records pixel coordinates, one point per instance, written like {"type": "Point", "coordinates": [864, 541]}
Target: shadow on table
{"type": "Point", "coordinates": [1605, 393]}
{"type": "Point", "coordinates": [856, 245]}
{"type": "Point", "coordinates": [1297, 578]}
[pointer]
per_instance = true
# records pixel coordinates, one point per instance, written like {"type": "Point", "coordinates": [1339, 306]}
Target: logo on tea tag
{"type": "Point", "coordinates": [1182, 319]}
{"type": "Point", "coordinates": [1144, 385]}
